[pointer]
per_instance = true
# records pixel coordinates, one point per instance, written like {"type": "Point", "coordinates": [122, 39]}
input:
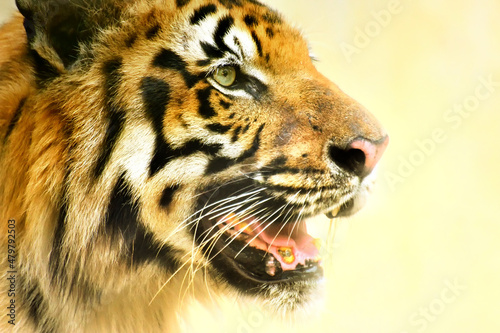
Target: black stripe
{"type": "Point", "coordinates": [211, 51]}
{"type": "Point", "coordinates": [35, 302]}
{"type": "Point", "coordinates": [162, 154]}
{"type": "Point", "coordinates": [246, 128]}
{"type": "Point", "coordinates": [147, 249]}
{"type": "Point", "coordinates": [202, 12]}
{"type": "Point", "coordinates": [255, 146]}
{"type": "Point", "coordinates": [238, 44]}
{"type": "Point", "coordinates": [156, 96]}
{"type": "Point", "coordinates": [257, 42]}
{"type": "Point", "coordinates": [278, 162]}
{"type": "Point", "coordinates": [84, 291]}
{"type": "Point", "coordinates": [14, 120]}
{"type": "Point", "coordinates": [181, 3]}
{"type": "Point", "coordinates": [255, 2]}
{"type": "Point", "coordinates": [226, 105]}
{"type": "Point", "coordinates": [116, 117]}
{"type": "Point", "coordinates": [113, 77]}
{"type": "Point", "coordinates": [236, 134]}
{"type": "Point", "coordinates": [230, 3]}
{"type": "Point", "coordinates": [31, 299]}
{"type": "Point", "coordinates": [115, 127]}
{"type": "Point", "coordinates": [153, 32]}
{"type": "Point", "coordinates": [44, 71]}
{"type": "Point", "coordinates": [225, 24]}
{"type": "Point", "coordinates": [122, 216]}
{"type": "Point", "coordinates": [218, 128]}
{"type": "Point", "coordinates": [269, 32]}
{"type": "Point", "coordinates": [129, 42]}
{"type": "Point", "coordinates": [123, 223]}
{"type": "Point", "coordinates": [219, 164]}
{"type": "Point", "coordinates": [170, 60]}
{"type": "Point", "coordinates": [205, 110]}
{"type": "Point", "coordinates": [203, 63]}
{"type": "Point", "coordinates": [194, 146]}
{"type": "Point", "coordinates": [168, 195]}
{"type": "Point", "coordinates": [29, 25]}
{"type": "Point", "coordinates": [250, 20]}
{"type": "Point", "coordinates": [56, 261]}
{"type": "Point", "coordinates": [272, 17]}
{"type": "Point", "coordinates": [249, 84]}
{"type": "Point", "coordinates": [165, 153]}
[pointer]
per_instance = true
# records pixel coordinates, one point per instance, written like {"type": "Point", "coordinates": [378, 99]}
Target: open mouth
{"type": "Point", "coordinates": [270, 252]}
{"type": "Point", "coordinates": [250, 240]}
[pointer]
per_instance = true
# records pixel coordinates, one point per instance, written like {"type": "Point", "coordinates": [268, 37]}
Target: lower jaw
{"type": "Point", "coordinates": [248, 271]}
{"type": "Point", "coordinates": [306, 274]}
{"type": "Point", "coordinates": [256, 280]}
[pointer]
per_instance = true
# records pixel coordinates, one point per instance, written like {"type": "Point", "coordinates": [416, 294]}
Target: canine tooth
{"type": "Point", "coordinates": [287, 254]}
{"type": "Point", "coordinates": [242, 226]}
{"type": "Point", "coordinates": [231, 218]}
{"type": "Point", "coordinates": [331, 214]}
{"type": "Point", "coordinates": [234, 222]}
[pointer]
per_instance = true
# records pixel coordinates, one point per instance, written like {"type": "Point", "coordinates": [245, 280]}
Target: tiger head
{"type": "Point", "coordinates": [194, 138]}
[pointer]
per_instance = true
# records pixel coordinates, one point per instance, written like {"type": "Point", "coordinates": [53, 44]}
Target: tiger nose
{"type": "Point", "coordinates": [360, 156]}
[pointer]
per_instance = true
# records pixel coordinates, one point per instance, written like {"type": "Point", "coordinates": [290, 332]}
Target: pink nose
{"type": "Point", "coordinates": [373, 152]}
{"type": "Point", "coordinates": [360, 156]}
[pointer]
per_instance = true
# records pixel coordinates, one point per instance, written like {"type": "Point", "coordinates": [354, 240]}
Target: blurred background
{"type": "Point", "coordinates": [424, 255]}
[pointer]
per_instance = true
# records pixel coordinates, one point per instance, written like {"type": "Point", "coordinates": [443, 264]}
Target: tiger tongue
{"type": "Point", "coordinates": [290, 245]}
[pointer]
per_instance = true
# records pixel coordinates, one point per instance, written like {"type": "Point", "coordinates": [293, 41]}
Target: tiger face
{"type": "Point", "coordinates": [174, 141]}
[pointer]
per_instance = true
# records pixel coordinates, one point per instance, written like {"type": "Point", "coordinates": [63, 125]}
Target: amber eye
{"type": "Point", "coordinates": [225, 76]}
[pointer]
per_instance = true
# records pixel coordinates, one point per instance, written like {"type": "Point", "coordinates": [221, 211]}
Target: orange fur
{"type": "Point", "coordinates": [80, 130]}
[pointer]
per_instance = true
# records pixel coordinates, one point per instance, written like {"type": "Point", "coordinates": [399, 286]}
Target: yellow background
{"type": "Point", "coordinates": [424, 255]}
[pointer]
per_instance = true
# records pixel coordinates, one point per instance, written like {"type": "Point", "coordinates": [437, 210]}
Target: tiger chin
{"type": "Point", "coordinates": [156, 151]}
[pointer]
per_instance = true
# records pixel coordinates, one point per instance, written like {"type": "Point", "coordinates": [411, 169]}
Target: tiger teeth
{"type": "Point", "coordinates": [231, 219]}
{"type": "Point", "coordinates": [234, 234]}
{"type": "Point", "coordinates": [287, 254]}
{"type": "Point", "coordinates": [334, 212]}
{"type": "Point", "coordinates": [236, 228]}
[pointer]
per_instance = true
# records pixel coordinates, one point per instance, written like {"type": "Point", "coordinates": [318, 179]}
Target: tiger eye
{"type": "Point", "coordinates": [225, 76]}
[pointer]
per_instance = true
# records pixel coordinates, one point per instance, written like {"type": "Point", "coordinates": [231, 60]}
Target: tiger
{"type": "Point", "coordinates": [159, 151]}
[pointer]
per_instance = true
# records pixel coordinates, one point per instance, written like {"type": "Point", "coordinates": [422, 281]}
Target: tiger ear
{"type": "Point", "coordinates": [56, 29]}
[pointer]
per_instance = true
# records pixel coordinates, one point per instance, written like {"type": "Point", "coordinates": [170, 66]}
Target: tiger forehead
{"type": "Point", "coordinates": [254, 12]}
{"type": "Point", "coordinates": [250, 13]}
{"type": "Point", "coordinates": [192, 26]}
